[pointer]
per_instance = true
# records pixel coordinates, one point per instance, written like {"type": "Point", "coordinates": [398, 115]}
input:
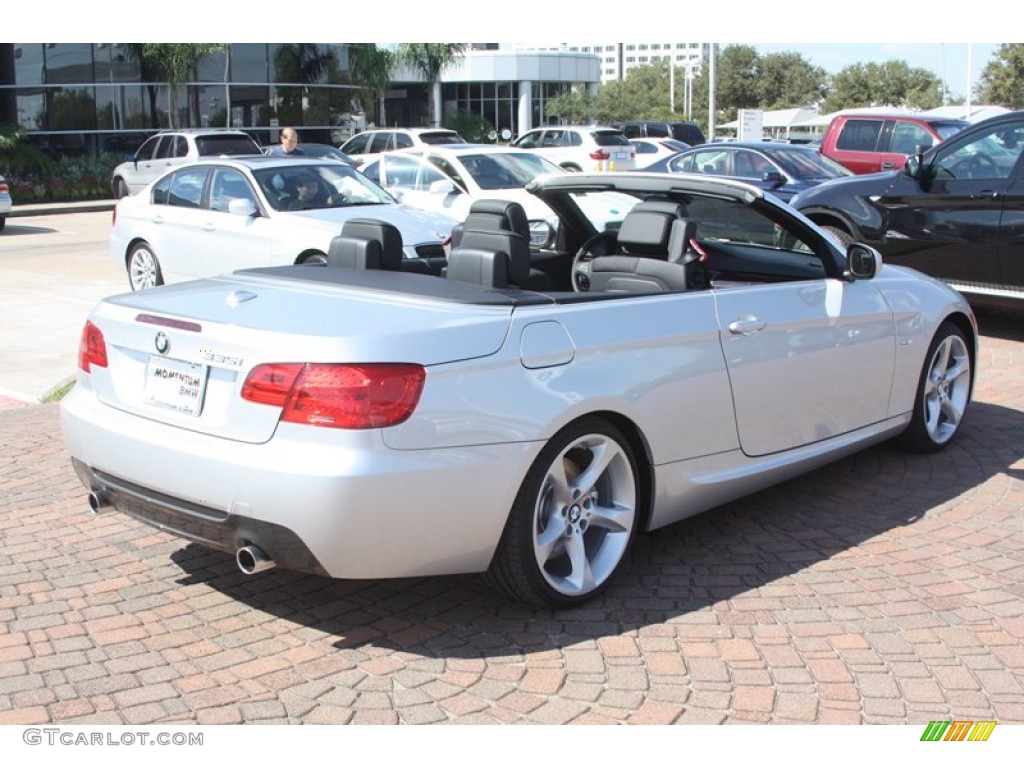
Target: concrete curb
{"type": "Point", "coordinates": [48, 209]}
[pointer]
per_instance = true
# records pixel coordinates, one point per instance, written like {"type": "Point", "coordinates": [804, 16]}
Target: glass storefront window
{"type": "Point", "coordinates": [68, 62]}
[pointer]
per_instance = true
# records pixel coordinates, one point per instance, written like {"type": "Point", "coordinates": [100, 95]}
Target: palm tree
{"type": "Point", "coordinates": [370, 69]}
{"type": "Point", "coordinates": [176, 61]}
{"type": "Point", "coordinates": [431, 59]}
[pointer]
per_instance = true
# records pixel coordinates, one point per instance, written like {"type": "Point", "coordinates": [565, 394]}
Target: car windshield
{"type": "Point", "coordinates": [210, 146]}
{"type": "Point", "coordinates": [294, 187]}
{"type": "Point", "coordinates": [945, 130]}
{"type": "Point", "coordinates": [506, 170]}
{"type": "Point", "coordinates": [809, 164]}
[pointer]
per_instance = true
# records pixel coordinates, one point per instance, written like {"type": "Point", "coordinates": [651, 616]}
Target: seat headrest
{"type": "Point", "coordinates": [646, 233]}
{"type": "Point", "coordinates": [354, 253]}
{"type": "Point", "coordinates": [386, 235]}
{"type": "Point", "coordinates": [510, 243]}
{"type": "Point", "coordinates": [498, 214]}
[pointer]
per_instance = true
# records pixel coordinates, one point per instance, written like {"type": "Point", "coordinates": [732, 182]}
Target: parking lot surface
{"type": "Point", "coordinates": [883, 588]}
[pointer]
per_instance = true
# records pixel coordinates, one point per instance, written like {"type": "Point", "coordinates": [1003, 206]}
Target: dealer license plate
{"type": "Point", "coordinates": [175, 384]}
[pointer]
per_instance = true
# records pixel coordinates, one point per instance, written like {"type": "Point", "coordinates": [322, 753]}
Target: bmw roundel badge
{"type": "Point", "coordinates": [162, 343]}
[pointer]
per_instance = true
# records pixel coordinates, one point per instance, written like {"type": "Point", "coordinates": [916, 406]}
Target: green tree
{"type": "Point", "coordinates": [299, 64]}
{"type": "Point", "coordinates": [17, 155]}
{"type": "Point", "coordinates": [370, 70]}
{"type": "Point", "coordinates": [574, 106]}
{"type": "Point", "coordinates": [642, 95]}
{"type": "Point", "coordinates": [891, 83]}
{"type": "Point", "coordinates": [1002, 79]}
{"type": "Point", "coordinates": [430, 60]}
{"type": "Point", "coordinates": [787, 79]}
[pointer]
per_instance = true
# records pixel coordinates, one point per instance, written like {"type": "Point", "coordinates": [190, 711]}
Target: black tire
{"type": "Point", "coordinates": [943, 392]}
{"type": "Point", "coordinates": [3, 223]}
{"type": "Point", "coordinates": [143, 267]}
{"type": "Point", "coordinates": [569, 529]}
{"type": "Point", "coordinates": [314, 259]}
{"type": "Point", "coordinates": [840, 234]}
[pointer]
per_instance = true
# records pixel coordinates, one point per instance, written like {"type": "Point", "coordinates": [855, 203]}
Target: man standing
{"type": "Point", "coordinates": [289, 146]}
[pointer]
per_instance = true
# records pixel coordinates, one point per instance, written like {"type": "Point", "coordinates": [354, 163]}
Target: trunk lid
{"type": "Point", "coordinates": [180, 354]}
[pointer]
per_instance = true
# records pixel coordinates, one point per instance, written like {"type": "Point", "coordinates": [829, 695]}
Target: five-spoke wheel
{"type": "Point", "coordinates": [143, 267]}
{"type": "Point", "coordinates": [943, 393]}
{"type": "Point", "coordinates": [573, 519]}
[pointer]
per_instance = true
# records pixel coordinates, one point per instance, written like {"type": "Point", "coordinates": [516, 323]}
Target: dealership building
{"type": "Point", "coordinates": [88, 97]}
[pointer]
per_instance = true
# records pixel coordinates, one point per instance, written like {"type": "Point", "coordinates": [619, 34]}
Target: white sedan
{"type": "Point", "coordinates": [213, 217]}
{"type": "Point", "coordinates": [448, 178]}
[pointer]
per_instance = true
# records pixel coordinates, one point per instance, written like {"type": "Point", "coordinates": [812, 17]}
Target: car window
{"type": "Point", "coordinates": [750, 165]}
{"type": "Point", "coordinates": [403, 141]}
{"type": "Point", "coordinates": [148, 149]}
{"type": "Point", "coordinates": [227, 185]}
{"type": "Point", "coordinates": [180, 146]}
{"type": "Point", "coordinates": [727, 221]}
{"type": "Point", "coordinates": [683, 164]}
{"type": "Point", "coordinates": [990, 155]}
{"type": "Point", "coordinates": [859, 135]}
{"type": "Point", "coordinates": [227, 144]}
{"type": "Point", "coordinates": [713, 161]}
{"type": "Point", "coordinates": [441, 137]}
{"type": "Point", "coordinates": [161, 190]}
{"type": "Point", "coordinates": [448, 169]}
{"type": "Point", "coordinates": [165, 149]}
{"type": "Point", "coordinates": [381, 142]}
{"type": "Point", "coordinates": [632, 131]}
{"type": "Point", "coordinates": [187, 186]}
{"type": "Point", "coordinates": [408, 172]}
{"type": "Point", "coordinates": [808, 164]}
{"type": "Point", "coordinates": [506, 170]}
{"type": "Point", "coordinates": [907, 137]}
{"type": "Point", "coordinates": [356, 145]}
{"type": "Point", "coordinates": [609, 139]}
{"type": "Point", "coordinates": [333, 185]}
{"type": "Point", "coordinates": [553, 138]}
{"type": "Point", "coordinates": [644, 147]}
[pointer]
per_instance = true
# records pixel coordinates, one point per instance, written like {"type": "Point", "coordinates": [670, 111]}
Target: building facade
{"type": "Point", "coordinates": [92, 97]}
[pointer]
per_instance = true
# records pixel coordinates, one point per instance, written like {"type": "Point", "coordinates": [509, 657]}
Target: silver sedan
{"type": "Point", "coordinates": [526, 414]}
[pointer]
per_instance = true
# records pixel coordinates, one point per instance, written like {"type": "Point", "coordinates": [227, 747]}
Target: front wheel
{"type": "Point", "coordinates": [314, 259]}
{"type": "Point", "coordinates": [573, 519]}
{"type": "Point", "coordinates": [943, 392]}
{"type": "Point", "coordinates": [143, 267]}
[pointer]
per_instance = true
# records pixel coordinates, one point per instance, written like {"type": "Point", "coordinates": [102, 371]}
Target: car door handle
{"type": "Point", "coordinates": [747, 326]}
{"type": "Point", "coordinates": [158, 219]}
{"type": "Point", "coordinates": [986, 194]}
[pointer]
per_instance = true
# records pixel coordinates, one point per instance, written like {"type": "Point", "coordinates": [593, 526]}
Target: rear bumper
{"type": "Point", "coordinates": [315, 500]}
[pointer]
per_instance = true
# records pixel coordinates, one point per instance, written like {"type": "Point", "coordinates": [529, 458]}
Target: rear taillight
{"type": "Point", "coordinates": [599, 154]}
{"type": "Point", "coordinates": [3, 186]}
{"type": "Point", "coordinates": [338, 395]}
{"type": "Point", "coordinates": [92, 349]}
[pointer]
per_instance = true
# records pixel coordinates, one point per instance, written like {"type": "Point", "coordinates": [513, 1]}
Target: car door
{"type": "Point", "coordinates": [176, 219]}
{"type": "Point", "coordinates": [787, 334]}
{"type": "Point", "coordinates": [228, 240]}
{"type": "Point", "coordinates": [145, 168]}
{"type": "Point", "coordinates": [950, 222]}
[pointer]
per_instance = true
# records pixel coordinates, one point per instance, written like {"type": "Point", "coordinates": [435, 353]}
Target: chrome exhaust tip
{"type": "Point", "coordinates": [251, 559]}
{"type": "Point", "coordinates": [99, 502]}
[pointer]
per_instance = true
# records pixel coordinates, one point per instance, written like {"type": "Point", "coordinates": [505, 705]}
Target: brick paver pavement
{"type": "Point", "coordinates": [884, 588]}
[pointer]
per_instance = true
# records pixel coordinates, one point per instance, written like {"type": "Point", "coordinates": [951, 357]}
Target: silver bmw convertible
{"type": "Point", "coordinates": [518, 412]}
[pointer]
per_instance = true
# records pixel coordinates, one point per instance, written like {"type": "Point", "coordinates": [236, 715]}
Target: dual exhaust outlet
{"type": "Point", "coordinates": [250, 558]}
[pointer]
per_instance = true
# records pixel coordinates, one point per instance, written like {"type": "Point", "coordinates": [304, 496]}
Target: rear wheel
{"type": "Point", "coordinates": [3, 223]}
{"type": "Point", "coordinates": [943, 392]}
{"type": "Point", "coordinates": [143, 267]}
{"type": "Point", "coordinates": [573, 519]}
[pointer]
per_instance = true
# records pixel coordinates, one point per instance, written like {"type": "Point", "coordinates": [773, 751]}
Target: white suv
{"type": "Point", "coordinates": [361, 146]}
{"type": "Point", "coordinates": [581, 147]}
{"type": "Point", "coordinates": [168, 149]}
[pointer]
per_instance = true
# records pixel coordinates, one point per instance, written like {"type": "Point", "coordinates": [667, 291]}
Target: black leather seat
{"type": "Point", "coordinates": [502, 225]}
{"type": "Point", "coordinates": [367, 244]}
{"type": "Point", "coordinates": [494, 259]}
{"type": "Point", "coordinates": [657, 256]}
